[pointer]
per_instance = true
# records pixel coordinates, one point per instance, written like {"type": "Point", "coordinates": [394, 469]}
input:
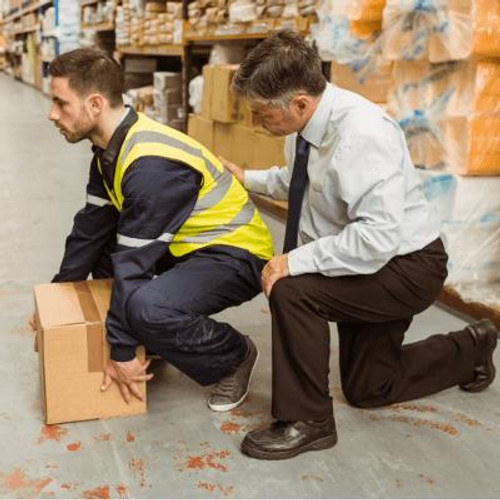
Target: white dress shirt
{"type": "Point", "coordinates": [364, 203]}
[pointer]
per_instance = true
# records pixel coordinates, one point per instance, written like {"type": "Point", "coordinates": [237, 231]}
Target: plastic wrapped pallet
{"type": "Point", "coordinates": [450, 113]}
{"type": "Point", "coordinates": [469, 210]}
{"type": "Point", "coordinates": [441, 30]}
{"type": "Point", "coordinates": [355, 50]}
{"type": "Point", "coordinates": [366, 10]}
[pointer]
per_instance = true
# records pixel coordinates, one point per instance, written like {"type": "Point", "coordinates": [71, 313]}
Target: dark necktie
{"type": "Point", "coordinates": [296, 192]}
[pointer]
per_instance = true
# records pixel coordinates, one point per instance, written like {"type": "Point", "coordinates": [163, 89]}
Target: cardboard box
{"type": "Point", "coordinates": [73, 353]}
{"type": "Point", "coordinates": [244, 113]}
{"type": "Point", "coordinates": [243, 146]}
{"type": "Point", "coordinates": [201, 129]}
{"type": "Point", "coordinates": [374, 85]}
{"type": "Point", "coordinates": [223, 138]}
{"type": "Point", "coordinates": [164, 80]}
{"type": "Point", "coordinates": [206, 98]}
{"type": "Point", "coordinates": [224, 102]}
{"type": "Point", "coordinates": [140, 65]}
{"type": "Point", "coordinates": [269, 151]}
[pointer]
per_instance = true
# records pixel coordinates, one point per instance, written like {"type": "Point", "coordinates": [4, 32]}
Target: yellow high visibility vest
{"type": "Point", "coordinates": [223, 213]}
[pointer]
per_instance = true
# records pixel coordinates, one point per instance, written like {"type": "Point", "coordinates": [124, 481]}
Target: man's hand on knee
{"type": "Point", "coordinates": [273, 271]}
{"type": "Point", "coordinates": [127, 374]}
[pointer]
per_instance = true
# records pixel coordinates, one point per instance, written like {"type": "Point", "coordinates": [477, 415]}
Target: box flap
{"type": "Point", "coordinates": [62, 304]}
{"type": "Point", "coordinates": [58, 304]}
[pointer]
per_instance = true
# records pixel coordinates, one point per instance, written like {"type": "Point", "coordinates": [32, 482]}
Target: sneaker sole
{"type": "Point", "coordinates": [320, 444]}
{"type": "Point", "coordinates": [232, 406]}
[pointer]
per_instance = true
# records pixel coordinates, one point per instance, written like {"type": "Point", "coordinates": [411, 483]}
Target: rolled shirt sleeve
{"type": "Point", "coordinates": [372, 185]}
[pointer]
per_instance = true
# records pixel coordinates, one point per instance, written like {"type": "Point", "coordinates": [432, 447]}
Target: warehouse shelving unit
{"type": "Point", "coordinates": [31, 35]}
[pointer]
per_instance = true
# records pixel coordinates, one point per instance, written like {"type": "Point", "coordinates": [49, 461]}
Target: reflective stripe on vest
{"type": "Point", "coordinates": [223, 213]}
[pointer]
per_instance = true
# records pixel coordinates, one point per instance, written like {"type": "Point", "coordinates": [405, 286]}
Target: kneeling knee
{"type": "Point", "coordinates": [283, 291]}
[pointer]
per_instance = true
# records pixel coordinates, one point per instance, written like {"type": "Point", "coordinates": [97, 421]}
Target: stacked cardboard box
{"type": "Point", "coordinates": [223, 17]}
{"type": "Point", "coordinates": [225, 124]}
{"type": "Point", "coordinates": [168, 105]}
{"type": "Point", "coordinates": [153, 23]}
{"type": "Point", "coordinates": [99, 13]}
{"type": "Point", "coordinates": [138, 71]}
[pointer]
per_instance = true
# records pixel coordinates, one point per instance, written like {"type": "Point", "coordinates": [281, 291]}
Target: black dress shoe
{"type": "Point", "coordinates": [289, 439]}
{"type": "Point", "coordinates": [485, 335]}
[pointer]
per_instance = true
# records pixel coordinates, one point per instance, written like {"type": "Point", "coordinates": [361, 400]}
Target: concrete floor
{"type": "Point", "coordinates": [439, 447]}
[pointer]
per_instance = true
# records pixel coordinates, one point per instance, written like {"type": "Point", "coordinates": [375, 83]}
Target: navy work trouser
{"type": "Point", "coordinates": [169, 314]}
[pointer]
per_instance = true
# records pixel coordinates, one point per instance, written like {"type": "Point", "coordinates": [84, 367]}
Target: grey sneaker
{"type": "Point", "coordinates": [232, 390]}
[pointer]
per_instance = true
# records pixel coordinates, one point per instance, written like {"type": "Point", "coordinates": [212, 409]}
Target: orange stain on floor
{"type": "Point", "coordinates": [122, 490]}
{"type": "Point", "coordinates": [414, 407]}
{"type": "Point", "coordinates": [209, 460]}
{"type": "Point", "coordinates": [99, 492]}
{"type": "Point", "coordinates": [69, 486]}
{"type": "Point", "coordinates": [230, 427]}
{"type": "Point", "coordinates": [210, 487]}
{"type": "Point", "coordinates": [206, 486]}
{"type": "Point", "coordinates": [19, 482]}
{"type": "Point", "coordinates": [137, 465]}
{"type": "Point", "coordinates": [51, 433]}
{"type": "Point", "coordinates": [74, 446]}
{"type": "Point", "coordinates": [130, 437]}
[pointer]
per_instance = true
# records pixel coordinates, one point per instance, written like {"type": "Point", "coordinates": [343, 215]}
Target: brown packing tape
{"type": "Point", "coordinates": [94, 327]}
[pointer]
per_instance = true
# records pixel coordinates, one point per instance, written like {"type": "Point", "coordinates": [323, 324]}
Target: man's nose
{"type": "Point", "coordinates": [53, 114]}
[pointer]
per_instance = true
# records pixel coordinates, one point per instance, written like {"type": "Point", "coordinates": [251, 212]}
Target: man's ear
{"type": "Point", "coordinates": [96, 104]}
{"type": "Point", "coordinates": [302, 103]}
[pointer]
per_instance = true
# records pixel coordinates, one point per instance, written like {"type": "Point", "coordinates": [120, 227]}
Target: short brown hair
{"type": "Point", "coordinates": [279, 66]}
{"type": "Point", "coordinates": [91, 70]}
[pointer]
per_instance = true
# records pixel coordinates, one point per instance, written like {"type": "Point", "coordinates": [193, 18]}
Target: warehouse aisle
{"type": "Point", "coordinates": [444, 446]}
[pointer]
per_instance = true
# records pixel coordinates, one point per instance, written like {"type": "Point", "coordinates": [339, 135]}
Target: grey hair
{"type": "Point", "coordinates": [279, 68]}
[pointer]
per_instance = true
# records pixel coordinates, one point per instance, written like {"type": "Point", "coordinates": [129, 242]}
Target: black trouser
{"type": "Point", "coordinates": [170, 314]}
{"type": "Point", "coordinates": [372, 314]}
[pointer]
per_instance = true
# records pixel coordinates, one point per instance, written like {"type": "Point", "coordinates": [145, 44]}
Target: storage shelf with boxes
{"type": "Point", "coordinates": [225, 124]}
{"type": "Point", "coordinates": [34, 33]}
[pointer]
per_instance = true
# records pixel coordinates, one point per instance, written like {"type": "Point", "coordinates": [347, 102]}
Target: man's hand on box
{"type": "Point", "coordinates": [34, 328]}
{"type": "Point", "coordinates": [127, 374]}
{"type": "Point", "coordinates": [238, 172]}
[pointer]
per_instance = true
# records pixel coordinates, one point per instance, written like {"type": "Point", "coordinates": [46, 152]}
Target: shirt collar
{"type": "Point", "coordinates": [110, 154]}
{"type": "Point", "coordinates": [316, 127]}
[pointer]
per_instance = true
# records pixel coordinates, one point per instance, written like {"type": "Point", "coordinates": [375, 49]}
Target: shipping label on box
{"type": "Point", "coordinates": [73, 353]}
